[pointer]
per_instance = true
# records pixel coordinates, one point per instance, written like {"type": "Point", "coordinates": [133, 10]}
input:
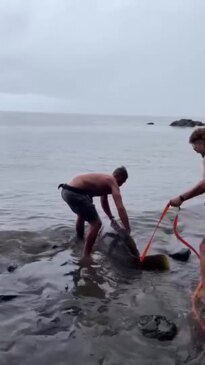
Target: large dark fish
{"type": "Point", "coordinates": [123, 250]}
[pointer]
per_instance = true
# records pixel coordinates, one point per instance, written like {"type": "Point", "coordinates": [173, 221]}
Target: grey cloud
{"type": "Point", "coordinates": [135, 57]}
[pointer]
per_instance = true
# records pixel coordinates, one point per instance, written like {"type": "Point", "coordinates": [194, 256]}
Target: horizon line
{"type": "Point", "coordinates": [101, 114]}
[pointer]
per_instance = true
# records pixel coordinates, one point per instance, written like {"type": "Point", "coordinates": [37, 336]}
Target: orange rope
{"type": "Point", "coordinates": [199, 286]}
{"type": "Point", "coordinates": [151, 239]}
{"type": "Point", "coordinates": [182, 239]}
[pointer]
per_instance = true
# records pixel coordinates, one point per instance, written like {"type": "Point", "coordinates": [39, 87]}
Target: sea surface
{"type": "Point", "coordinates": [52, 313]}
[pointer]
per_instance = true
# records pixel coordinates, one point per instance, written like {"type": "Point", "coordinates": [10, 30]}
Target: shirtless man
{"type": "Point", "coordinates": [197, 139]}
{"type": "Point", "coordinates": [78, 195]}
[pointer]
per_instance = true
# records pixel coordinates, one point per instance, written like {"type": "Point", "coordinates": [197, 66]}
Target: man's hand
{"type": "Point", "coordinates": [114, 224]}
{"type": "Point", "coordinates": [118, 228]}
{"type": "Point", "coordinates": [176, 202]}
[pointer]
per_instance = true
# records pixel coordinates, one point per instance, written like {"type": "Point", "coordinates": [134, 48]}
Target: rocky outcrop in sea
{"type": "Point", "coordinates": [187, 123]}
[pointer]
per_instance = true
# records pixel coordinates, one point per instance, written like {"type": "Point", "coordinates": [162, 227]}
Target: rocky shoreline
{"type": "Point", "coordinates": [187, 123]}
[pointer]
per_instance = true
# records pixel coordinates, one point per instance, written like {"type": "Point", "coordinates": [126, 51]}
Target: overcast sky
{"type": "Point", "coordinates": [142, 57]}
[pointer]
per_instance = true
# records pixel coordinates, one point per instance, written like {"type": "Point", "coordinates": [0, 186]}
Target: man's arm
{"type": "Point", "coordinates": [120, 207]}
{"type": "Point", "coordinates": [105, 206]}
{"type": "Point", "coordinates": [192, 193]}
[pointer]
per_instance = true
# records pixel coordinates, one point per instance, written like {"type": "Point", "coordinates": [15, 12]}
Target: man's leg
{"type": "Point", "coordinates": [91, 237]}
{"type": "Point", "coordinates": [80, 227]}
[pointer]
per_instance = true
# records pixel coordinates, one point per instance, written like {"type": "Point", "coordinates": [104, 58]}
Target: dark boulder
{"type": "Point", "coordinates": [11, 268]}
{"type": "Point", "coordinates": [158, 327]}
{"type": "Point", "coordinates": [7, 298]}
{"type": "Point", "coordinates": [182, 255]}
{"type": "Point", "coordinates": [187, 123]}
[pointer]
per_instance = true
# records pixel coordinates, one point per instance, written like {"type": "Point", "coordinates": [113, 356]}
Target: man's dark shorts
{"type": "Point", "coordinates": [80, 204]}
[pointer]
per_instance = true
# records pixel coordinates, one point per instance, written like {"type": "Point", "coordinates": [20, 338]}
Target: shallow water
{"type": "Point", "coordinates": [54, 313]}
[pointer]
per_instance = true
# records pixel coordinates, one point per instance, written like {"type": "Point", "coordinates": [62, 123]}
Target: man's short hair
{"type": "Point", "coordinates": [121, 171]}
{"type": "Point", "coordinates": [197, 135]}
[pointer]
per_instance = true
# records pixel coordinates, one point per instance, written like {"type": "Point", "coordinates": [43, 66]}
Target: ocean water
{"type": "Point", "coordinates": [50, 312]}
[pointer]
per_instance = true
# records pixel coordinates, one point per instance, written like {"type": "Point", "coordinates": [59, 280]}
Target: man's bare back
{"type": "Point", "coordinates": [95, 184]}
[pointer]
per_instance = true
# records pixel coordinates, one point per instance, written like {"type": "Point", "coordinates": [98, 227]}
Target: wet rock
{"type": "Point", "coordinates": [102, 309]}
{"type": "Point", "coordinates": [56, 320]}
{"type": "Point", "coordinates": [187, 123]}
{"type": "Point", "coordinates": [64, 263]}
{"type": "Point", "coordinates": [182, 255]}
{"type": "Point", "coordinates": [7, 298]}
{"type": "Point", "coordinates": [158, 327]}
{"type": "Point", "coordinates": [54, 247]}
{"type": "Point", "coordinates": [11, 268]}
{"type": "Point", "coordinates": [110, 332]}
{"type": "Point", "coordinates": [73, 310]}
{"type": "Point", "coordinates": [66, 287]}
